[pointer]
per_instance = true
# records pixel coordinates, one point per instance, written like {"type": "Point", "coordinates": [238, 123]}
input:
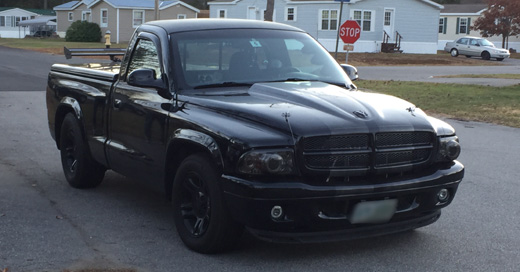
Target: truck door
{"type": "Point", "coordinates": [137, 122]}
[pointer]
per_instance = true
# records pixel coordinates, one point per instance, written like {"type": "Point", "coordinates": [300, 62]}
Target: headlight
{"type": "Point", "coordinates": [449, 148]}
{"type": "Point", "coordinates": [258, 162]}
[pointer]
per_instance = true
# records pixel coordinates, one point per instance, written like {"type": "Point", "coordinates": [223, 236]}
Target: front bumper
{"type": "Point", "coordinates": [500, 55]}
{"type": "Point", "coordinates": [314, 213]}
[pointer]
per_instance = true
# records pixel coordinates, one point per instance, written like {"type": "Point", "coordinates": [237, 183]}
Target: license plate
{"type": "Point", "coordinates": [371, 212]}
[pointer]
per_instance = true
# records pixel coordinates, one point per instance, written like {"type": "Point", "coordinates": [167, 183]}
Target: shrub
{"type": "Point", "coordinates": [82, 31]}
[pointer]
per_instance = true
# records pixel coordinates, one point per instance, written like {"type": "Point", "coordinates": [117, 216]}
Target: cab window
{"type": "Point", "coordinates": [145, 57]}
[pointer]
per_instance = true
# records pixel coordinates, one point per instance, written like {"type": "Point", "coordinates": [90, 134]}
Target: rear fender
{"type": "Point", "coordinates": [67, 104]}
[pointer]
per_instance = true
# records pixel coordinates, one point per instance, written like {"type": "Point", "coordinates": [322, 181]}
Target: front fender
{"type": "Point", "coordinates": [203, 141]}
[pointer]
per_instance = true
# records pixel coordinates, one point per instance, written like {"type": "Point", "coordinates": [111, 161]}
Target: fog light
{"type": "Point", "coordinates": [276, 212]}
{"type": "Point", "coordinates": [443, 195]}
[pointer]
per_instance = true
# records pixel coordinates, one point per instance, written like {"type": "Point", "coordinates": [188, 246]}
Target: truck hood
{"type": "Point", "coordinates": [312, 108]}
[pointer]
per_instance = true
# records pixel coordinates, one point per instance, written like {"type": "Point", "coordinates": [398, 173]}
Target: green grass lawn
{"type": "Point", "coordinates": [500, 105]}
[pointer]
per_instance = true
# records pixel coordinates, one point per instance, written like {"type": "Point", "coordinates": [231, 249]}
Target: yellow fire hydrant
{"type": "Point", "coordinates": [107, 39]}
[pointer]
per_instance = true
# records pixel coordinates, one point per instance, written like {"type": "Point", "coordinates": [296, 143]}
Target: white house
{"type": "Point", "coordinates": [10, 19]}
{"type": "Point", "coordinates": [415, 20]}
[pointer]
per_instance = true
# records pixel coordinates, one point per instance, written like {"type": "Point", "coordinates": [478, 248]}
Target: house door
{"type": "Point", "coordinates": [388, 23]}
{"type": "Point", "coordinates": [251, 13]}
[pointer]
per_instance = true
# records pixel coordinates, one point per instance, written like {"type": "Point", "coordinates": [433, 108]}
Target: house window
{"type": "Point", "coordinates": [388, 18]}
{"type": "Point", "coordinates": [364, 19]}
{"type": "Point", "coordinates": [181, 16]}
{"type": "Point", "coordinates": [463, 25]}
{"type": "Point", "coordinates": [329, 19]}
{"type": "Point", "coordinates": [71, 16]}
{"type": "Point", "coordinates": [7, 21]}
{"type": "Point", "coordinates": [138, 18]}
{"type": "Point", "coordinates": [290, 14]}
{"type": "Point", "coordinates": [104, 18]}
{"type": "Point", "coordinates": [85, 16]}
{"type": "Point", "coordinates": [222, 13]}
{"type": "Point", "coordinates": [442, 25]}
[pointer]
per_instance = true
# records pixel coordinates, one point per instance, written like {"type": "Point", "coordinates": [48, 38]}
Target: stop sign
{"type": "Point", "coordinates": [350, 31]}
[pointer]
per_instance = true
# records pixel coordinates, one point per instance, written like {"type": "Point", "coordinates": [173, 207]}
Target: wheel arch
{"type": "Point", "coordinates": [183, 143]}
{"type": "Point", "coordinates": [67, 105]}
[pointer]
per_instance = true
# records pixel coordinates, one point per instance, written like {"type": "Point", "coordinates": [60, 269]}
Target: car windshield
{"type": "Point", "coordinates": [239, 57]}
{"type": "Point", "coordinates": [484, 42]}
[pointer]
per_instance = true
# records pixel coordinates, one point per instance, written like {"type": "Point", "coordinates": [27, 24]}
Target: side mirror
{"type": "Point", "coordinates": [146, 78]}
{"type": "Point", "coordinates": [351, 71]}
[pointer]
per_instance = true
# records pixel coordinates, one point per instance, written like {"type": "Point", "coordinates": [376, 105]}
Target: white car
{"type": "Point", "coordinates": [476, 47]}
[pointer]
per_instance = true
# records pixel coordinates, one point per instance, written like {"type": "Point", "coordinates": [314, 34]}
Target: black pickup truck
{"type": "Point", "coordinates": [252, 125]}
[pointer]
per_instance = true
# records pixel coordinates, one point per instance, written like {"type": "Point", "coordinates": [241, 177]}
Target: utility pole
{"type": "Point", "coordinates": [157, 10]}
{"type": "Point", "coordinates": [269, 10]}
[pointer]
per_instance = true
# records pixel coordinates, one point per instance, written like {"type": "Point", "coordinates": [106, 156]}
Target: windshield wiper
{"type": "Point", "coordinates": [224, 84]}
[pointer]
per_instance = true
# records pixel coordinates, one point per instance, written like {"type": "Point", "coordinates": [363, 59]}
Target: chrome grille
{"type": "Point", "coordinates": [381, 151]}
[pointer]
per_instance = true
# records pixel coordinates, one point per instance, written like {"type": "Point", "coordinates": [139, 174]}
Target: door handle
{"type": "Point", "coordinates": [117, 103]}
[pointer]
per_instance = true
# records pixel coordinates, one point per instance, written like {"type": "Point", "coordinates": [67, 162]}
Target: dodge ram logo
{"type": "Point", "coordinates": [361, 114]}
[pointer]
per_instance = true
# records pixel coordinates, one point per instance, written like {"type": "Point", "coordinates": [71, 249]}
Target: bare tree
{"type": "Point", "coordinates": [268, 16]}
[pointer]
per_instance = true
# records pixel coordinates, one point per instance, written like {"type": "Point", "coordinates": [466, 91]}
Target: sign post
{"type": "Point", "coordinates": [337, 36]}
{"type": "Point", "coordinates": [349, 32]}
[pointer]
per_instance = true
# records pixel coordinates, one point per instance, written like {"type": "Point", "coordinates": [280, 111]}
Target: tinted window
{"type": "Point", "coordinates": [145, 57]}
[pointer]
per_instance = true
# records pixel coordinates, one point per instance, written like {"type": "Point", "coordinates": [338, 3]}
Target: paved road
{"type": "Point", "coordinates": [23, 70]}
{"type": "Point", "coordinates": [45, 225]}
{"type": "Point", "coordinates": [430, 73]}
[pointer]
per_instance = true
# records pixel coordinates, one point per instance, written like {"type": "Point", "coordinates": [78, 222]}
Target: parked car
{"type": "Point", "coordinates": [253, 125]}
{"type": "Point", "coordinates": [42, 33]}
{"type": "Point", "coordinates": [476, 47]}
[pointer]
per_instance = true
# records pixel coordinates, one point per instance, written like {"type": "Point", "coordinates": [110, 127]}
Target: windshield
{"type": "Point", "coordinates": [234, 57]}
{"type": "Point", "coordinates": [484, 42]}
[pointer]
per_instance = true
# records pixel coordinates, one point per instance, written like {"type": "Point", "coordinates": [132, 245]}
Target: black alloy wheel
{"type": "Point", "coordinates": [200, 213]}
{"type": "Point", "coordinates": [195, 204]}
{"type": "Point", "coordinates": [80, 170]}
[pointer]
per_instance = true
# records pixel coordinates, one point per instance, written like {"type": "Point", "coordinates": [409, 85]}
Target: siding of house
{"type": "Point", "coordinates": [415, 20]}
{"type": "Point", "coordinates": [63, 18]}
{"type": "Point", "coordinates": [173, 11]}
{"type": "Point", "coordinates": [112, 19]}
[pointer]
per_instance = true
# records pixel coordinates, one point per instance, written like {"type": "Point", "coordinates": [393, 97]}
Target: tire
{"type": "Point", "coordinates": [80, 170]}
{"type": "Point", "coordinates": [468, 56]}
{"type": "Point", "coordinates": [485, 55]}
{"type": "Point", "coordinates": [200, 214]}
{"type": "Point", "coordinates": [454, 52]}
{"type": "Point", "coordinates": [500, 59]}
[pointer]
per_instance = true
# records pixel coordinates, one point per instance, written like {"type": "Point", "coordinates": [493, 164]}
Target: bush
{"type": "Point", "coordinates": [82, 31]}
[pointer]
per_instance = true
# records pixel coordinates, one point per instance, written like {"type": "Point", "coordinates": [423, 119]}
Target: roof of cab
{"type": "Point", "coordinates": [172, 26]}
